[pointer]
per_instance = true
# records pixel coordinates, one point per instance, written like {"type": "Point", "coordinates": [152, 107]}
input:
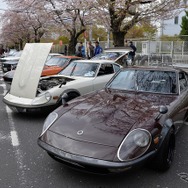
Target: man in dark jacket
{"type": "Point", "coordinates": [133, 52]}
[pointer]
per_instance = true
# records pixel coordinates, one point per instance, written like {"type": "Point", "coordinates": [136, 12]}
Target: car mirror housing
{"type": "Point", "coordinates": [64, 99]}
{"type": "Point", "coordinates": [163, 109]}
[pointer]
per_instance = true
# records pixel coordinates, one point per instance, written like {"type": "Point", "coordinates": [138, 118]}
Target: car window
{"type": "Point", "coordinates": [156, 81]}
{"type": "Point", "coordinates": [182, 81]}
{"type": "Point", "coordinates": [18, 54]}
{"type": "Point", "coordinates": [106, 69]}
{"type": "Point", "coordinates": [125, 80]}
{"type": "Point", "coordinates": [145, 80]}
{"type": "Point", "coordinates": [82, 69]}
{"type": "Point", "coordinates": [108, 55]}
{"type": "Point", "coordinates": [56, 61]}
{"type": "Point", "coordinates": [116, 68]}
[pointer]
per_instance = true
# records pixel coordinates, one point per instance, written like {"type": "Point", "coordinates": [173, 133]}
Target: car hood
{"type": "Point", "coordinates": [106, 118]}
{"type": "Point", "coordinates": [28, 71]}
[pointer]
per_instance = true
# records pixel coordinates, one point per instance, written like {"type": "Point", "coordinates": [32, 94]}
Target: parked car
{"type": "Point", "coordinates": [54, 64]}
{"type": "Point", "coordinates": [10, 62]}
{"type": "Point", "coordinates": [78, 78]}
{"type": "Point", "coordinates": [119, 54]}
{"type": "Point", "coordinates": [131, 122]}
{"type": "Point", "coordinates": [10, 52]}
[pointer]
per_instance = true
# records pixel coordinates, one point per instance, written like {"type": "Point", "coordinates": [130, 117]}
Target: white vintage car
{"type": "Point", "coordinates": [119, 54]}
{"type": "Point", "coordinates": [29, 92]}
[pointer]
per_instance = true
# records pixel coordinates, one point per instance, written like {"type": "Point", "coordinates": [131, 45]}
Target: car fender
{"type": "Point", "coordinates": [68, 91]}
{"type": "Point", "coordinates": [165, 130]}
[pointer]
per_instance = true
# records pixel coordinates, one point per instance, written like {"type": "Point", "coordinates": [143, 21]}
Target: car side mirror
{"type": "Point", "coordinates": [163, 109]}
{"type": "Point", "coordinates": [64, 98]}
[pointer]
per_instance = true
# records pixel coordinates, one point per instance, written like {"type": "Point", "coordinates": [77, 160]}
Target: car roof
{"type": "Point", "coordinates": [118, 49]}
{"type": "Point", "coordinates": [157, 68]}
{"type": "Point", "coordinates": [70, 57]}
{"type": "Point", "coordinates": [54, 54]}
{"type": "Point", "coordinates": [96, 61]}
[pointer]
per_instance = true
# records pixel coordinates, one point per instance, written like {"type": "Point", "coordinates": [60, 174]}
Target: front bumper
{"type": "Point", "coordinates": [91, 164]}
{"type": "Point", "coordinates": [29, 108]}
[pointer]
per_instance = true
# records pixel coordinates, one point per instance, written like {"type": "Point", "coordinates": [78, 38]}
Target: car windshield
{"type": "Point", "coordinates": [108, 55]}
{"type": "Point", "coordinates": [146, 81]}
{"type": "Point", "coordinates": [83, 69]}
{"type": "Point", "coordinates": [18, 54]}
{"type": "Point", "coordinates": [57, 61]}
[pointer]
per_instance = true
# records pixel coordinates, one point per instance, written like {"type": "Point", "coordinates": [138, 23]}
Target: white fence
{"type": "Point", "coordinates": [153, 51]}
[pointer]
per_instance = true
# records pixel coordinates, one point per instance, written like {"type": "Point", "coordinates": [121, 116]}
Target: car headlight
{"type": "Point", "coordinates": [49, 121]}
{"type": "Point", "coordinates": [134, 145]}
{"type": "Point", "coordinates": [47, 96]}
{"type": "Point", "coordinates": [41, 98]}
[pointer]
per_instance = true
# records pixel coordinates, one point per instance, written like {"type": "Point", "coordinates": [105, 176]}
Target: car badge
{"type": "Point", "coordinates": [80, 132]}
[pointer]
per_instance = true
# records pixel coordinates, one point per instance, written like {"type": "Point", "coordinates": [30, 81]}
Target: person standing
{"type": "Point", "coordinates": [98, 48]}
{"type": "Point", "coordinates": [81, 50]}
{"type": "Point", "coordinates": [126, 43]}
{"type": "Point", "coordinates": [65, 49]}
{"type": "Point", "coordinates": [133, 52]}
{"type": "Point", "coordinates": [90, 50]}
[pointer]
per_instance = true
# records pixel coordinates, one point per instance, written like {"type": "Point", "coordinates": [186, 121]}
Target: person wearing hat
{"type": "Point", "coordinates": [98, 48]}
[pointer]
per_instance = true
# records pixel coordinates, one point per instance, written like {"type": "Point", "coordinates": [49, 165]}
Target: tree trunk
{"type": "Point", "coordinates": [118, 38]}
{"type": "Point", "coordinates": [72, 45]}
{"type": "Point", "coordinates": [20, 44]}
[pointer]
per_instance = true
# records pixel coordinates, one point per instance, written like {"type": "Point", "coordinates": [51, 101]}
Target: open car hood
{"type": "Point", "coordinates": [28, 71]}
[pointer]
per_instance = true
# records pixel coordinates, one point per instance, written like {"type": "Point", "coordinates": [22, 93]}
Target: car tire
{"type": "Point", "coordinates": [165, 155]}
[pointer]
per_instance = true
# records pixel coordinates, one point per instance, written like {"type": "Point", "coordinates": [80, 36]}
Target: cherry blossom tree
{"type": "Point", "coordinates": [27, 21]}
{"type": "Point", "coordinates": [14, 30]}
{"type": "Point", "coordinates": [120, 16]}
{"type": "Point", "coordinates": [72, 15]}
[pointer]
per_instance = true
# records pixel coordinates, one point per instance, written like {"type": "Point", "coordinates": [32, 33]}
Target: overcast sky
{"type": "Point", "coordinates": [2, 5]}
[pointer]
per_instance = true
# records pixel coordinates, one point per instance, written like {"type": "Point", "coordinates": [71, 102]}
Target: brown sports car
{"type": "Point", "coordinates": [132, 121]}
{"type": "Point", "coordinates": [56, 64]}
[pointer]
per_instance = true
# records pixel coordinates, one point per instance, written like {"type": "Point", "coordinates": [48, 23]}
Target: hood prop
{"type": "Point", "coordinates": [62, 83]}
